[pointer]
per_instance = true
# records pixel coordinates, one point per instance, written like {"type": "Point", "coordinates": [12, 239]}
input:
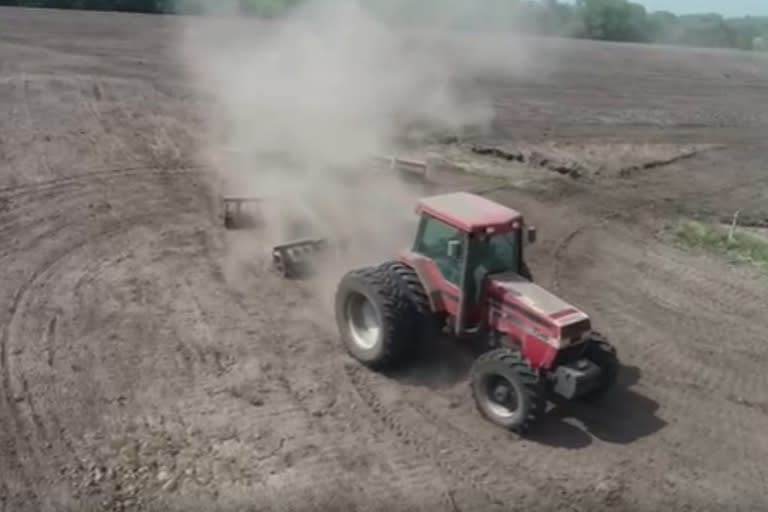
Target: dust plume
{"type": "Point", "coordinates": [300, 105]}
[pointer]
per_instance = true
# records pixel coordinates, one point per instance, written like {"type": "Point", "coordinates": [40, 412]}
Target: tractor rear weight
{"type": "Point", "coordinates": [466, 274]}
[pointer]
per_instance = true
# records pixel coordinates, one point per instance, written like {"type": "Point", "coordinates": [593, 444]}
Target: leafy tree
{"type": "Point", "coordinates": [662, 26]}
{"type": "Point", "coordinates": [611, 20]}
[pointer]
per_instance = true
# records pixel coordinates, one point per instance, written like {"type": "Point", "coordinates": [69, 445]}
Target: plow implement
{"type": "Point", "coordinates": [238, 212]}
{"type": "Point", "coordinates": [297, 258]}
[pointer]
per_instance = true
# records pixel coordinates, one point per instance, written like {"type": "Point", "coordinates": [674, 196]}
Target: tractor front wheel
{"type": "Point", "coordinates": [603, 354]}
{"type": "Point", "coordinates": [377, 321]}
{"type": "Point", "coordinates": [507, 391]}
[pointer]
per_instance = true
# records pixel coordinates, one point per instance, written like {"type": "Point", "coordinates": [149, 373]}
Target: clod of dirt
{"type": "Point", "coordinates": [172, 484]}
{"type": "Point", "coordinates": [652, 164]}
{"type": "Point", "coordinates": [762, 407]}
{"type": "Point", "coordinates": [593, 160]}
{"type": "Point", "coordinates": [610, 490]}
{"type": "Point", "coordinates": [100, 206]}
{"type": "Point", "coordinates": [246, 393]}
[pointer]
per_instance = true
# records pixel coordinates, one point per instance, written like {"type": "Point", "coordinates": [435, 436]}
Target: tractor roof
{"type": "Point", "coordinates": [468, 212]}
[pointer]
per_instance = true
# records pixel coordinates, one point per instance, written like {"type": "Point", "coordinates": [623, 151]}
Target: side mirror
{"type": "Point", "coordinates": [531, 235]}
{"type": "Point", "coordinates": [454, 247]}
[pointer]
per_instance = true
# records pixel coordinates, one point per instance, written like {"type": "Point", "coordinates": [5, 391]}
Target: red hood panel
{"type": "Point", "coordinates": [517, 289]}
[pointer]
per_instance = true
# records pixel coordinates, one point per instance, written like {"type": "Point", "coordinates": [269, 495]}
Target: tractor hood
{"type": "Point", "coordinates": [517, 292]}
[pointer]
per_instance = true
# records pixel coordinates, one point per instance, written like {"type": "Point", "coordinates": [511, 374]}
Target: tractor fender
{"type": "Point", "coordinates": [420, 265]}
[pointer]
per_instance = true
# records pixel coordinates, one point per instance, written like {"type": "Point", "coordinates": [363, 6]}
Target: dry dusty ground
{"type": "Point", "coordinates": [134, 376]}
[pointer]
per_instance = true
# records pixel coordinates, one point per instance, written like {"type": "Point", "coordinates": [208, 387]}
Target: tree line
{"type": "Point", "coordinates": [609, 20]}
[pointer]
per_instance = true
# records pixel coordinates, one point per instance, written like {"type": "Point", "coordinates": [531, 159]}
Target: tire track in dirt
{"type": "Point", "coordinates": [90, 94]}
{"type": "Point", "coordinates": [314, 430]}
{"type": "Point", "coordinates": [206, 355]}
{"type": "Point", "coordinates": [11, 192]}
{"type": "Point", "coordinates": [317, 392]}
{"type": "Point", "coordinates": [56, 191]}
{"type": "Point", "coordinates": [39, 279]}
{"type": "Point", "coordinates": [429, 442]}
{"type": "Point", "coordinates": [44, 286]}
{"type": "Point", "coordinates": [144, 140]}
{"type": "Point", "coordinates": [704, 357]}
{"type": "Point", "coordinates": [681, 366]}
{"type": "Point", "coordinates": [17, 444]}
{"type": "Point", "coordinates": [4, 496]}
{"type": "Point", "coordinates": [22, 438]}
{"type": "Point", "coordinates": [92, 116]}
{"type": "Point", "coordinates": [40, 152]}
{"type": "Point", "coordinates": [69, 187]}
{"type": "Point", "coordinates": [560, 250]}
{"type": "Point", "coordinates": [50, 339]}
{"type": "Point", "coordinates": [326, 463]}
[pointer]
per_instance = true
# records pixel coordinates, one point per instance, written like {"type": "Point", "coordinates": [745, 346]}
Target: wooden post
{"type": "Point", "coordinates": [733, 226]}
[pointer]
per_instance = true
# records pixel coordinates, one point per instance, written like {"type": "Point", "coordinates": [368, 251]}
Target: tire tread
{"type": "Point", "coordinates": [531, 380]}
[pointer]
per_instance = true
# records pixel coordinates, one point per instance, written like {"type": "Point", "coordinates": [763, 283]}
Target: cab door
{"type": "Point", "coordinates": [445, 246]}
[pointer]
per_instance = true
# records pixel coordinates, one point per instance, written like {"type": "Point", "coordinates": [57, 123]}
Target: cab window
{"type": "Point", "coordinates": [432, 242]}
{"type": "Point", "coordinates": [500, 253]}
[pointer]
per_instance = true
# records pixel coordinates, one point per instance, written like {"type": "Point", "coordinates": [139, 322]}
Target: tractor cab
{"type": "Point", "coordinates": [463, 238]}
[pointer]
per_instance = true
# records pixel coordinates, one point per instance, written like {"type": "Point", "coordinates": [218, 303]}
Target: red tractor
{"type": "Point", "coordinates": [467, 275]}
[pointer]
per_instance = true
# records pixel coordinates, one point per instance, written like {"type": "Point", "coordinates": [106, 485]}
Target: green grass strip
{"type": "Point", "coordinates": [744, 247]}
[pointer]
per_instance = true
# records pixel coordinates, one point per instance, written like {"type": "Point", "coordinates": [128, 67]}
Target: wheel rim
{"type": "Point", "coordinates": [363, 321]}
{"type": "Point", "coordinates": [501, 396]}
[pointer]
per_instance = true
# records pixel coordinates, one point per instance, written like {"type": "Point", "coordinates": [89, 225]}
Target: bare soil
{"type": "Point", "coordinates": [135, 376]}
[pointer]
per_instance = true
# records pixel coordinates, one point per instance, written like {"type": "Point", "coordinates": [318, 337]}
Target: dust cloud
{"type": "Point", "coordinates": [299, 106]}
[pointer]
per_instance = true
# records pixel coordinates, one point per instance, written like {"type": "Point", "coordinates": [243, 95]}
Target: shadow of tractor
{"type": "Point", "coordinates": [621, 416]}
{"type": "Point", "coordinates": [438, 363]}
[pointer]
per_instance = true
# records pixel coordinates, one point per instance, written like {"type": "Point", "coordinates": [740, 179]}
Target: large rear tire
{"type": "Point", "coordinates": [377, 322]}
{"type": "Point", "coordinates": [507, 391]}
{"type": "Point", "coordinates": [428, 322]}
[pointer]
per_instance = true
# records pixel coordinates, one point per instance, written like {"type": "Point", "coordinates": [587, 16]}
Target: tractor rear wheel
{"type": "Point", "coordinates": [428, 322]}
{"type": "Point", "coordinates": [507, 391]}
{"type": "Point", "coordinates": [604, 355]}
{"type": "Point", "coordinates": [377, 321]}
